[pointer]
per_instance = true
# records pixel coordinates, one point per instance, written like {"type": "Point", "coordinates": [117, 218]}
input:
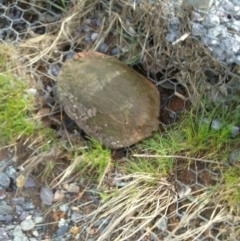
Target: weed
{"type": "Point", "coordinates": [61, 5]}
{"type": "Point", "coordinates": [230, 190]}
{"type": "Point", "coordinates": [95, 162]}
{"type": "Point", "coordinates": [14, 109]}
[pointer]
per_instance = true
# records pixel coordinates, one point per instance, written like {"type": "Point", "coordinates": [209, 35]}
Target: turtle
{"type": "Point", "coordinates": [107, 99]}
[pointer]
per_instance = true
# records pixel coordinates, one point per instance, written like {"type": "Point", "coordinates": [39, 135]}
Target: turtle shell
{"type": "Point", "coordinates": [108, 100]}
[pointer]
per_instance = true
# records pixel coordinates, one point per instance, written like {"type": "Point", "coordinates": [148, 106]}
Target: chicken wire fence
{"type": "Point", "coordinates": [34, 26]}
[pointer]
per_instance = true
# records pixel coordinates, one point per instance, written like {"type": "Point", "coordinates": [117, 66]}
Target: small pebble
{"type": "Point", "coordinates": [29, 182]}
{"type": "Point", "coordinates": [64, 207]}
{"type": "Point", "coordinates": [27, 224]}
{"type": "Point", "coordinates": [18, 201]}
{"type": "Point", "coordinates": [3, 235]}
{"type": "Point", "coordinates": [86, 28]}
{"type": "Point", "coordinates": [46, 196]}
{"type": "Point", "coordinates": [115, 51]}
{"type": "Point", "coordinates": [69, 55]}
{"type": "Point", "coordinates": [28, 206]}
{"type": "Point", "coordinates": [102, 48]}
{"type": "Point", "coordinates": [11, 172]}
{"type": "Point", "coordinates": [5, 208]}
{"type": "Point", "coordinates": [73, 188]}
{"type": "Point", "coordinates": [216, 124]}
{"type": "Point", "coordinates": [94, 36]}
{"type": "Point", "coordinates": [235, 131]}
{"type": "Point", "coordinates": [38, 220]}
{"type": "Point", "coordinates": [62, 230]}
{"type": "Point", "coordinates": [58, 196]}
{"type": "Point", "coordinates": [234, 158]}
{"type": "Point", "coordinates": [23, 215]}
{"type": "Point", "coordinates": [4, 180]}
{"type": "Point", "coordinates": [162, 224]}
{"type": "Point", "coordinates": [54, 70]}
{"type": "Point", "coordinates": [17, 232]}
{"type": "Point", "coordinates": [75, 217]}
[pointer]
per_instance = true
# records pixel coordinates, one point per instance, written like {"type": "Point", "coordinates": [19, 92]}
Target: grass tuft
{"type": "Point", "coordinates": [95, 162]}
{"type": "Point", "coordinates": [14, 109]}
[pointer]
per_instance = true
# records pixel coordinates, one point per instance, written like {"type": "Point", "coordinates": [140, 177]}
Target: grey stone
{"type": "Point", "coordinates": [237, 59]}
{"type": "Point", "coordinates": [233, 25]}
{"type": "Point", "coordinates": [11, 172]}
{"type": "Point", "coordinates": [27, 224]}
{"type": "Point", "coordinates": [46, 195]}
{"type": "Point", "coordinates": [54, 70]}
{"type": "Point", "coordinates": [38, 219]}
{"type": "Point", "coordinates": [234, 157]}
{"type": "Point", "coordinates": [75, 217]}
{"type": "Point", "coordinates": [209, 41]}
{"type": "Point", "coordinates": [17, 232]}
{"type": "Point", "coordinates": [102, 48]}
{"type": "Point", "coordinates": [64, 207]}
{"type": "Point", "coordinates": [217, 31]}
{"type": "Point", "coordinates": [162, 223]}
{"type": "Point", "coordinates": [29, 182]}
{"type": "Point", "coordinates": [62, 230]}
{"type": "Point", "coordinates": [99, 22]}
{"type": "Point", "coordinates": [100, 222]}
{"type": "Point", "coordinates": [28, 206]}
{"type": "Point", "coordinates": [235, 131]}
{"type": "Point", "coordinates": [171, 37]}
{"type": "Point", "coordinates": [18, 200]}
{"type": "Point", "coordinates": [218, 53]}
{"type": "Point", "coordinates": [231, 45]}
{"type": "Point", "coordinates": [5, 208]}
{"type": "Point", "coordinates": [228, 6]}
{"type": "Point", "coordinates": [198, 29]}
{"type": "Point", "coordinates": [216, 124]}
{"type": "Point", "coordinates": [23, 215]}
{"type": "Point", "coordinates": [94, 36]}
{"type": "Point", "coordinates": [8, 218]}
{"type": "Point", "coordinates": [18, 209]}
{"type": "Point", "coordinates": [69, 55]}
{"type": "Point", "coordinates": [86, 28]}
{"type": "Point", "coordinates": [4, 180]}
{"type": "Point", "coordinates": [115, 51]}
{"type": "Point", "coordinates": [5, 162]}
{"type": "Point", "coordinates": [3, 235]}
{"type": "Point", "coordinates": [87, 38]}
{"type": "Point", "coordinates": [211, 20]}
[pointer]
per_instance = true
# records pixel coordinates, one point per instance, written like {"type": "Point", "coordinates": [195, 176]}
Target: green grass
{"type": "Point", "coordinates": [95, 162]}
{"type": "Point", "coordinates": [14, 109]}
{"type": "Point", "coordinates": [61, 5]}
{"type": "Point", "coordinates": [191, 138]}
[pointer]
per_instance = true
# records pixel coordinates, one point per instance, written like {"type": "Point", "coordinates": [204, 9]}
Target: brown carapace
{"type": "Point", "coordinates": [108, 100]}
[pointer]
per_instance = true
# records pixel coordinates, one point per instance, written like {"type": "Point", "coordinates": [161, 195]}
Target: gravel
{"type": "Point", "coordinates": [23, 218]}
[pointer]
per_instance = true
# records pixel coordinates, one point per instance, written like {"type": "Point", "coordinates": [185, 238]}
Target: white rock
{"type": "Point", "coordinates": [211, 20]}
{"type": "Point", "coordinates": [198, 29]}
{"type": "Point", "coordinates": [27, 224]}
{"type": "Point", "coordinates": [235, 131]}
{"type": "Point", "coordinates": [216, 124]}
{"type": "Point", "coordinates": [94, 36]}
